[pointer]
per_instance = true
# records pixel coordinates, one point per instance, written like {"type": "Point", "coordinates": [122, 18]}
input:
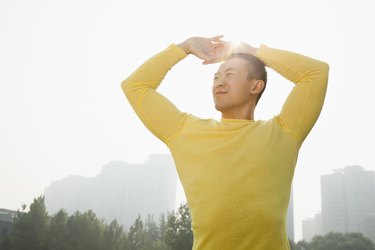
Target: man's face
{"type": "Point", "coordinates": [232, 89]}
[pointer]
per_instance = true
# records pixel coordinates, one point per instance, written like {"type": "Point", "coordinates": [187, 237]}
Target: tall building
{"type": "Point", "coordinates": [312, 227]}
{"type": "Point", "coordinates": [122, 191]}
{"type": "Point", "coordinates": [290, 218]}
{"type": "Point", "coordinates": [348, 201]}
{"type": "Point", "coordinates": [6, 222]}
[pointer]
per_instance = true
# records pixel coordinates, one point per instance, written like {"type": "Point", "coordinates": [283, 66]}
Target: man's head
{"type": "Point", "coordinates": [239, 83]}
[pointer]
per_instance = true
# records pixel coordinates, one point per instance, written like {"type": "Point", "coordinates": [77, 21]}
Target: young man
{"type": "Point", "coordinates": [236, 172]}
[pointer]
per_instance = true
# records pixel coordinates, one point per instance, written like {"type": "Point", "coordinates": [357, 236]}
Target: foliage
{"type": "Point", "coordinates": [57, 233]}
{"type": "Point", "coordinates": [35, 230]}
{"type": "Point", "coordinates": [337, 241]}
{"type": "Point", "coordinates": [136, 235]}
{"type": "Point", "coordinates": [30, 229]}
{"type": "Point", "coordinates": [85, 231]}
{"type": "Point", "coordinates": [179, 234]}
{"type": "Point", "coordinates": [114, 236]}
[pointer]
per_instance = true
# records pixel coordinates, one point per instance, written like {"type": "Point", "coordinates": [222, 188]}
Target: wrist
{"type": "Point", "coordinates": [247, 49]}
{"type": "Point", "coordinates": [185, 46]}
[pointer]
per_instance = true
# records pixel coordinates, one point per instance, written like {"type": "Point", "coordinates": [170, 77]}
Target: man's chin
{"type": "Point", "coordinates": [219, 108]}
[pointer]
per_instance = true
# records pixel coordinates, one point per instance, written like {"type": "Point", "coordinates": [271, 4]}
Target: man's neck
{"type": "Point", "coordinates": [247, 114]}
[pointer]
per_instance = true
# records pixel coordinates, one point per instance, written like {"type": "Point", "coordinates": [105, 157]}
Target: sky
{"type": "Point", "coordinates": [62, 111]}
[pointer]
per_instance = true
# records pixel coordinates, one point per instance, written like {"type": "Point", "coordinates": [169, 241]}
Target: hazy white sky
{"type": "Point", "coordinates": [62, 110]}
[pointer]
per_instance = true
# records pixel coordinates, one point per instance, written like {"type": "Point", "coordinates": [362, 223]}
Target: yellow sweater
{"type": "Point", "coordinates": [236, 173]}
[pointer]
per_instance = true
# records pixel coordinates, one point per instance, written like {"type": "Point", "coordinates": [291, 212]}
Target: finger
{"type": "Point", "coordinates": [216, 38]}
{"type": "Point", "coordinates": [201, 55]}
{"type": "Point", "coordinates": [206, 62]}
{"type": "Point", "coordinates": [211, 61]}
{"type": "Point", "coordinates": [218, 45]}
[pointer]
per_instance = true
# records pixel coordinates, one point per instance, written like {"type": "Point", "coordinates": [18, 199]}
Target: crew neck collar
{"type": "Point", "coordinates": [228, 120]}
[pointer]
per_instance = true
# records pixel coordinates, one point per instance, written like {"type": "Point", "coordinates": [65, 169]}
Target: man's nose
{"type": "Point", "coordinates": [220, 82]}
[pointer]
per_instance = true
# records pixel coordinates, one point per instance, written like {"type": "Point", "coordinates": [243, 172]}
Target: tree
{"type": "Point", "coordinates": [85, 231]}
{"type": "Point", "coordinates": [152, 235]}
{"type": "Point", "coordinates": [341, 241]}
{"type": "Point", "coordinates": [292, 244]}
{"type": "Point", "coordinates": [163, 228]}
{"type": "Point", "coordinates": [135, 238]}
{"type": "Point", "coordinates": [337, 241]}
{"type": "Point", "coordinates": [5, 245]}
{"type": "Point", "coordinates": [301, 245]}
{"type": "Point", "coordinates": [57, 234]}
{"type": "Point", "coordinates": [114, 236]}
{"type": "Point", "coordinates": [35, 230]}
{"type": "Point", "coordinates": [30, 229]}
{"type": "Point", "coordinates": [179, 234]}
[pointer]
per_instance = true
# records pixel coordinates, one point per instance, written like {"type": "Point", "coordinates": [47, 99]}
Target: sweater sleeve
{"type": "Point", "coordinates": [157, 113]}
{"type": "Point", "coordinates": [304, 103]}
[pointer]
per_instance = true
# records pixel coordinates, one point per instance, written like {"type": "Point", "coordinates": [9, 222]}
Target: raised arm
{"type": "Point", "coordinates": [158, 114]}
{"type": "Point", "coordinates": [304, 103]}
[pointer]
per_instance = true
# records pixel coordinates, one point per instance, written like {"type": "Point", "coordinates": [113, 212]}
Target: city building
{"type": "Point", "coordinates": [312, 227]}
{"type": "Point", "coordinates": [6, 222]}
{"type": "Point", "coordinates": [122, 191]}
{"type": "Point", "coordinates": [290, 218]}
{"type": "Point", "coordinates": [348, 201]}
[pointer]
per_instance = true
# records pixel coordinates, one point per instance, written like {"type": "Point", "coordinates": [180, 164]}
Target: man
{"type": "Point", "coordinates": [236, 172]}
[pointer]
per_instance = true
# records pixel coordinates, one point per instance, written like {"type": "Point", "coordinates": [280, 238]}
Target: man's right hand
{"type": "Point", "coordinates": [210, 50]}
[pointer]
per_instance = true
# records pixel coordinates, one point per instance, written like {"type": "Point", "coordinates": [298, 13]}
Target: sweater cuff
{"type": "Point", "coordinates": [262, 52]}
{"type": "Point", "coordinates": [180, 53]}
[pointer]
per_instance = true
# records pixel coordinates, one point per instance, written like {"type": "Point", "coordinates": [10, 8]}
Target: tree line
{"type": "Point", "coordinates": [335, 241]}
{"type": "Point", "coordinates": [36, 230]}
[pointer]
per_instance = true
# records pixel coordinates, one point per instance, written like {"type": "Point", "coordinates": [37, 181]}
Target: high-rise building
{"type": "Point", "coordinates": [348, 201]}
{"type": "Point", "coordinates": [122, 191]}
{"type": "Point", "coordinates": [6, 222]}
{"type": "Point", "coordinates": [290, 218]}
{"type": "Point", "coordinates": [312, 227]}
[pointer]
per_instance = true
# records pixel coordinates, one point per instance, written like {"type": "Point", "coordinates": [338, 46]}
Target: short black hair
{"type": "Point", "coordinates": [256, 69]}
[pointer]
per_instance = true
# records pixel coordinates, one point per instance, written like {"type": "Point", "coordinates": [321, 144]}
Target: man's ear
{"type": "Point", "coordinates": [257, 86]}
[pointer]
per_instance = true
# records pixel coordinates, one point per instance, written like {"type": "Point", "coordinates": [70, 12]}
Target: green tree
{"type": "Point", "coordinates": [337, 241]}
{"type": "Point", "coordinates": [292, 244]}
{"type": "Point", "coordinates": [57, 234]}
{"type": "Point", "coordinates": [163, 227]}
{"type": "Point", "coordinates": [301, 245]}
{"type": "Point", "coordinates": [135, 237]}
{"type": "Point", "coordinates": [341, 241]}
{"type": "Point", "coordinates": [151, 232]}
{"type": "Point", "coordinates": [5, 245]}
{"type": "Point", "coordinates": [35, 230]}
{"type": "Point", "coordinates": [179, 235]}
{"type": "Point", "coordinates": [30, 229]}
{"type": "Point", "coordinates": [85, 231]}
{"type": "Point", "coordinates": [153, 239]}
{"type": "Point", "coordinates": [114, 236]}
